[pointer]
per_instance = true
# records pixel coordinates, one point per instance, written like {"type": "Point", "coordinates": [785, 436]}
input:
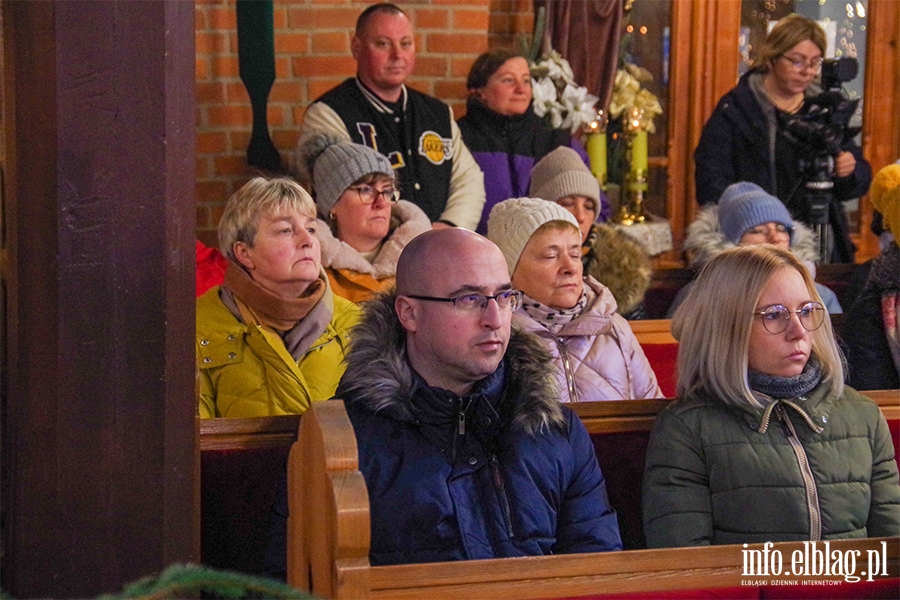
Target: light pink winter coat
{"type": "Point", "coordinates": [597, 355]}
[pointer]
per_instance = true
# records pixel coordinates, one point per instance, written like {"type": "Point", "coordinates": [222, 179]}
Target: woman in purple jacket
{"type": "Point", "coordinates": [503, 133]}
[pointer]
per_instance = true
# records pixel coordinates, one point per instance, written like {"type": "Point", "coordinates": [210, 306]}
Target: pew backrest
{"type": "Point", "coordinates": [328, 533]}
{"type": "Point", "coordinates": [242, 465]}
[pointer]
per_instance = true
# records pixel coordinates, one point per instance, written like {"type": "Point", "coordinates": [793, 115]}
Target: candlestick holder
{"type": "Point", "coordinates": [636, 185]}
{"type": "Point", "coordinates": [595, 145]}
{"type": "Point", "coordinates": [631, 205]}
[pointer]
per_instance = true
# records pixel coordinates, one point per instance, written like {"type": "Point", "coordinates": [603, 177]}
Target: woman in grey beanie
{"type": "Point", "coordinates": [363, 224]}
{"type": "Point", "coordinates": [595, 351]}
{"type": "Point", "coordinates": [611, 257]}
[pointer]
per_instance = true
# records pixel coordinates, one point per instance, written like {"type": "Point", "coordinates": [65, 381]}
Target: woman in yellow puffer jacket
{"type": "Point", "coordinates": [271, 338]}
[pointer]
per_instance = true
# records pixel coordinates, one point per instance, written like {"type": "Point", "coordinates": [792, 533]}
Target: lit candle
{"type": "Point", "coordinates": [639, 151]}
{"type": "Point", "coordinates": [596, 150]}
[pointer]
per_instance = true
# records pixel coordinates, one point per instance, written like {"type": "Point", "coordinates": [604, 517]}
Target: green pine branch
{"type": "Point", "coordinates": [194, 581]}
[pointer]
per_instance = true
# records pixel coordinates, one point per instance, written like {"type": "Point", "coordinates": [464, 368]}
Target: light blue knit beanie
{"type": "Point", "coordinates": [745, 205]}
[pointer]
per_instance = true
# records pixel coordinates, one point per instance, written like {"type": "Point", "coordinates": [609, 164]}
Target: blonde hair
{"type": "Point", "coordinates": [789, 32]}
{"type": "Point", "coordinates": [257, 198]}
{"type": "Point", "coordinates": [713, 325]}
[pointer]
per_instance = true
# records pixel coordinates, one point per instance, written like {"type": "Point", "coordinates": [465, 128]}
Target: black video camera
{"type": "Point", "coordinates": [824, 124]}
{"type": "Point", "coordinates": [823, 128]}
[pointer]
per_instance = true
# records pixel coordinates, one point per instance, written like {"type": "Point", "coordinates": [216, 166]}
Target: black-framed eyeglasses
{"type": "Point", "coordinates": [815, 65]}
{"type": "Point", "coordinates": [777, 317]}
{"type": "Point", "coordinates": [367, 194]}
{"type": "Point", "coordinates": [507, 300]}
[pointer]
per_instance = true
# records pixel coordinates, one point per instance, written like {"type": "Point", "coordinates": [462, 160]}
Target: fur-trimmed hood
{"type": "Point", "coordinates": [407, 221]}
{"type": "Point", "coordinates": [621, 264]}
{"type": "Point", "coordinates": [379, 376]}
{"type": "Point", "coordinates": [705, 240]}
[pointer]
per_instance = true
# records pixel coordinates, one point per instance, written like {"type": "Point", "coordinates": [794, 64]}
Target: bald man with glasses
{"type": "Point", "coordinates": [466, 451]}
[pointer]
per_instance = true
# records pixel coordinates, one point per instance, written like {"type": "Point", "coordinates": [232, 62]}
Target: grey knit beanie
{"type": "Point", "coordinates": [745, 205]}
{"type": "Point", "coordinates": [337, 164]}
{"type": "Point", "coordinates": [512, 223]}
{"type": "Point", "coordinates": [562, 173]}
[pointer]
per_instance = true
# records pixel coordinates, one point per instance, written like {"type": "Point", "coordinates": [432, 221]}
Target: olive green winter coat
{"type": "Point", "coordinates": [809, 468]}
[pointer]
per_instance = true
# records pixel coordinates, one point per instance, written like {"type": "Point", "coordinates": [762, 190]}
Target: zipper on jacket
{"type": "Point", "coordinates": [809, 482]}
{"type": "Point", "coordinates": [504, 499]}
{"type": "Point", "coordinates": [567, 368]}
{"type": "Point", "coordinates": [461, 417]}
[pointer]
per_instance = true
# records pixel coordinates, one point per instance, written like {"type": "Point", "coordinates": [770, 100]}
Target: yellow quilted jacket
{"type": "Point", "coordinates": [246, 371]}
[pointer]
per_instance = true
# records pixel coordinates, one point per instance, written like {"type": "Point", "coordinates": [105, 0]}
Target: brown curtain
{"type": "Point", "coordinates": [586, 33]}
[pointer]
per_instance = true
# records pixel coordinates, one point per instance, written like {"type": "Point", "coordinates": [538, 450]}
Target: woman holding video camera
{"type": "Point", "coordinates": [746, 138]}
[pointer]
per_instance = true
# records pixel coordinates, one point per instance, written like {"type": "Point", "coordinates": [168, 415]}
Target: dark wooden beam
{"type": "Point", "coordinates": [99, 444]}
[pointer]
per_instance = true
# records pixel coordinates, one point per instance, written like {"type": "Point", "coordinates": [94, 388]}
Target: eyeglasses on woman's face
{"type": "Point", "coordinates": [470, 303]}
{"type": "Point", "coordinates": [777, 317]}
{"type": "Point", "coordinates": [800, 64]}
{"type": "Point", "coordinates": [368, 194]}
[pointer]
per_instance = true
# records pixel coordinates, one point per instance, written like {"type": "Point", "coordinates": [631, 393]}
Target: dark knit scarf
{"type": "Point", "coordinates": [264, 307]}
{"type": "Point", "coordinates": [782, 388]}
{"type": "Point", "coordinates": [885, 278]}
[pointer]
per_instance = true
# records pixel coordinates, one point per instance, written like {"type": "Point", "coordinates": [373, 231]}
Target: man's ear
{"type": "Point", "coordinates": [407, 313]}
{"type": "Point", "coordinates": [355, 47]}
{"type": "Point", "coordinates": [242, 254]}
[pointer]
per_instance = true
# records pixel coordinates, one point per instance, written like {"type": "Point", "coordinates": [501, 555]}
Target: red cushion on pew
{"type": "Point", "coordinates": [894, 426]}
{"type": "Point", "coordinates": [664, 360]}
{"type": "Point", "coordinates": [727, 593]}
{"type": "Point", "coordinates": [887, 588]}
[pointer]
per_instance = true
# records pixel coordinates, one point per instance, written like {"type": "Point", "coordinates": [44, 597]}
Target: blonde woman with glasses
{"type": "Point", "coordinates": [765, 442]}
{"type": "Point", "coordinates": [363, 223]}
{"type": "Point", "coordinates": [745, 139]}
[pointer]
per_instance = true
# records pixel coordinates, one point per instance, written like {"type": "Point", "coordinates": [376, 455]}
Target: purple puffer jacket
{"type": "Point", "coordinates": [507, 147]}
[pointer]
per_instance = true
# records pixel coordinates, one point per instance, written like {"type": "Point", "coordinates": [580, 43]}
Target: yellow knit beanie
{"type": "Point", "coordinates": [885, 196]}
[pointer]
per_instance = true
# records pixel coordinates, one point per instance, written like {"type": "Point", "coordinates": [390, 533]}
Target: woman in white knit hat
{"type": "Point", "coordinates": [596, 352]}
{"type": "Point", "coordinates": [364, 224]}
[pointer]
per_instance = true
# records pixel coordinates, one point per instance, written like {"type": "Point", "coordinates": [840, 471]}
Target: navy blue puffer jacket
{"type": "Point", "coordinates": [505, 471]}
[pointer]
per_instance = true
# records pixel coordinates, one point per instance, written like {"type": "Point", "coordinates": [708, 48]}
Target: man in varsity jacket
{"type": "Point", "coordinates": [415, 131]}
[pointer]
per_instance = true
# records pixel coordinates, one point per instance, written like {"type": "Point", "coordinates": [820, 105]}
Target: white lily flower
{"type": "Point", "coordinates": [544, 93]}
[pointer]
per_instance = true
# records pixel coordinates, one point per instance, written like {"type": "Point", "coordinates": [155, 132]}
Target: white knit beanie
{"type": "Point", "coordinates": [336, 165]}
{"type": "Point", "coordinates": [563, 173]}
{"type": "Point", "coordinates": [512, 223]}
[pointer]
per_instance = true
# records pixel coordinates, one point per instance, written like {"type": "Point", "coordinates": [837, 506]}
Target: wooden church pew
{"type": "Point", "coordinates": [328, 537]}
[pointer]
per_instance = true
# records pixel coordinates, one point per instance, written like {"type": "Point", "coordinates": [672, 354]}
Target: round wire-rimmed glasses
{"type": "Point", "coordinates": [777, 317]}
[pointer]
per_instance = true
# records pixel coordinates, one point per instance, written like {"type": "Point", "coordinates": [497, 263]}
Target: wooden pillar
{"type": "Point", "coordinates": [99, 445]}
{"type": "Point", "coordinates": [704, 67]}
{"type": "Point", "coordinates": [881, 105]}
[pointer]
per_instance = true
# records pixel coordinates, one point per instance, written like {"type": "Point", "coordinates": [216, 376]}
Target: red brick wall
{"type": "Point", "coordinates": [312, 54]}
